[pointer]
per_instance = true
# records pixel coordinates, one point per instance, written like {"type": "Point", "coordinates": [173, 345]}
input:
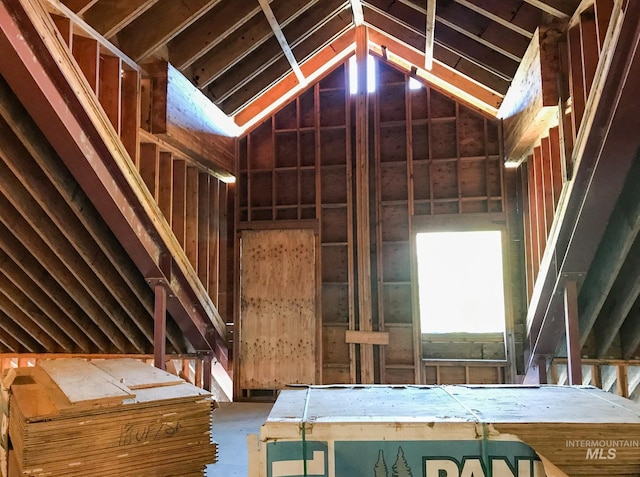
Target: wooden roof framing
{"type": "Point", "coordinates": [248, 57]}
{"type": "Point", "coordinates": [238, 52]}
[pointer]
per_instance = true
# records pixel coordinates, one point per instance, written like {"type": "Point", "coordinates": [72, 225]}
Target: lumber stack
{"type": "Point", "coordinates": [105, 418]}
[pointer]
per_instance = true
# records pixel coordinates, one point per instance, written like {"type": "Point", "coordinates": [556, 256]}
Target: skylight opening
{"type": "Point", "coordinates": [353, 75]}
{"type": "Point", "coordinates": [460, 282]}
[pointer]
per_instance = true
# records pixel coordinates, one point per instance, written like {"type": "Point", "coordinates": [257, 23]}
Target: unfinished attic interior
{"type": "Point", "coordinates": [238, 192]}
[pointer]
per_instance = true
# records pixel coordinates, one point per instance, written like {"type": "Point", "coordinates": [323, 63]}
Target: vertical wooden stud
{"type": "Point", "coordinates": [110, 89]}
{"type": "Point", "coordinates": [363, 228]}
{"type": "Point", "coordinates": [622, 381]}
{"type": "Point", "coordinates": [204, 201]}
{"type": "Point", "coordinates": [574, 365]}
{"type": "Point", "coordinates": [603, 11]}
{"type": "Point", "coordinates": [542, 370]}
{"type": "Point", "coordinates": [149, 158]}
{"type": "Point", "coordinates": [165, 184]}
{"type": "Point", "coordinates": [590, 49]}
{"type": "Point", "coordinates": [541, 228]}
{"type": "Point", "coordinates": [64, 26]}
{"type": "Point", "coordinates": [186, 370]}
{"type": "Point", "coordinates": [206, 371]}
{"type": "Point", "coordinates": [130, 112]}
{"type": "Point", "coordinates": [199, 366]}
{"type": "Point", "coordinates": [596, 376]}
{"type": "Point", "coordinates": [85, 51]}
{"type": "Point", "coordinates": [547, 183]}
{"type": "Point", "coordinates": [576, 84]}
{"type": "Point", "coordinates": [191, 222]}
{"type": "Point", "coordinates": [160, 326]}
{"type": "Point", "coordinates": [179, 206]}
{"type": "Point", "coordinates": [214, 237]}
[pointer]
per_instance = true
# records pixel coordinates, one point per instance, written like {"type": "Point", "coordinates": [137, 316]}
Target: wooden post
{"type": "Point", "coordinates": [198, 376]}
{"type": "Point", "coordinates": [160, 325]}
{"type": "Point", "coordinates": [363, 229]}
{"type": "Point", "coordinates": [622, 381]}
{"type": "Point", "coordinates": [186, 370]}
{"type": "Point", "coordinates": [542, 370]}
{"type": "Point", "coordinates": [206, 371]}
{"type": "Point", "coordinates": [574, 365]}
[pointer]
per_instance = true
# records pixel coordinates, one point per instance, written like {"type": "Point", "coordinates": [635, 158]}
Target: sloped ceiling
{"type": "Point", "coordinates": [236, 56]}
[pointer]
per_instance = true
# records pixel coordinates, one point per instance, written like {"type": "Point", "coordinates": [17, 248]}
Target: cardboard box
{"type": "Point", "coordinates": [447, 431]}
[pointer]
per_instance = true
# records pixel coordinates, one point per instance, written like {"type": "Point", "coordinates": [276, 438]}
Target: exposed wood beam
{"type": "Point", "coordinates": [44, 265]}
{"type": "Point", "coordinates": [79, 6]}
{"type": "Point", "coordinates": [630, 334]}
{"type": "Point", "coordinates": [210, 30]}
{"type": "Point", "coordinates": [477, 38]}
{"type": "Point", "coordinates": [564, 13]}
{"type": "Point", "coordinates": [255, 73]}
{"type": "Point", "coordinates": [81, 213]}
{"type": "Point", "coordinates": [22, 284]}
{"type": "Point", "coordinates": [480, 54]}
{"type": "Point", "coordinates": [278, 94]}
{"type": "Point", "coordinates": [493, 17]}
{"type": "Point", "coordinates": [277, 31]}
{"type": "Point", "coordinates": [363, 225]}
{"type": "Point", "coordinates": [16, 308]}
{"type": "Point", "coordinates": [160, 325]}
{"type": "Point", "coordinates": [620, 238]}
{"type": "Point", "coordinates": [160, 23]}
{"type": "Point", "coordinates": [592, 194]}
{"type": "Point", "coordinates": [32, 278]}
{"type": "Point", "coordinates": [25, 340]}
{"type": "Point", "coordinates": [441, 76]}
{"type": "Point", "coordinates": [430, 16]}
{"type": "Point", "coordinates": [463, 46]}
{"type": "Point", "coordinates": [72, 121]}
{"type": "Point", "coordinates": [461, 19]}
{"type": "Point", "coordinates": [108, 17]}
{"type": "Point", "coordinates": [621, 299]}
{"type": "Point", "coordinates": [54, 252]}
{"type": "Point", "coordinates": [60, 229]}
{"type": "Point", "coordinates": [358, 16]}
{"type": "Point", "coordinates": [249, 42]}
{"type": "Point", "coordinates": [574, 367]}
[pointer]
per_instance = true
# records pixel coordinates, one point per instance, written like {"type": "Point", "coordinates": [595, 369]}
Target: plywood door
{"type": "Point", "coordinates": [277, 308]}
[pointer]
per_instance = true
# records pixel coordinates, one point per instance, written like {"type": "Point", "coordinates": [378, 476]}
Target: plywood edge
{"type": "Point", "coordinates": [367, 337]}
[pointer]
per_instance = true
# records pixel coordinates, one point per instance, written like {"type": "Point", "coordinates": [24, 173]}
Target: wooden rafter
{"type": "Point", "coordinates": [277, 31]}
{"type": "Point", "coordinates": [160, 23]}
{"type": "Point", "coordinates": [430, 17]}
{"type": "Point", "coordinates": [310, 32]}
{"type": "Point", "coordinates": [447, 79]}
{"type": "Point", "coordinates": [358, 15]}
{"type": "Point", "coordinates": [493, 17]}
{"type": "Point", "coordinates": [206, 33]}
{"type": "Point", "coordinates": [244, 43]}
{"type": "Point", "coordinates": [563, 13]}
{"type": "Point", "coordinates": [278, 94]}
{"type": "Point", "coordinates": [108, 18]}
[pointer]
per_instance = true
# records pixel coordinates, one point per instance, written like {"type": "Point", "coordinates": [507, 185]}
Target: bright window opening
{"type": "Point", "coordinates": [460, 282]}
{"type": "Point", "coordinates": [353, 75]}
{"type": "Point", "coordinates": [414, 83]}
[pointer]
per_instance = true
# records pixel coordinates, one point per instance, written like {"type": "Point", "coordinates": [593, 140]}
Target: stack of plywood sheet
{"type": "Point", "coordinates": [105, 418]}
{"type": "Point", "coordinates": [455, 431]}
{"type": "Point", "coordinates": [4, 427]}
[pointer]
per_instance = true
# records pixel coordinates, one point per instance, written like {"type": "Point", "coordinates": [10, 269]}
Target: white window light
{"type": "Point", "coordinates": [353, 75]}
{"type": "Point", "coordinates": [460, 282]}
{"type": "Point", "coordinates": [414, 83]}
